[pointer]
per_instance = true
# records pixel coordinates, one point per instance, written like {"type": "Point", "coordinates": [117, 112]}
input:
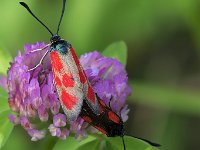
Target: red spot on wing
{"type": "Point", "coordinates": [56, 61]}
{"type": "Point", "coordinates": [112, 116]}
{"type": "Point", "coordinates": [57, 81]}
{"type": "Point", "coordinates": [80, 70]}
{"type": "Point", "coordinates": [87, 119]}
{"type": "Point", "coordinates": [100, 129]}
{"type": "Point", "coordinates": [91, 94]}
{"type": "Point", "coordinates": [67, 80]}
{"type": "Point", "coordinates": [68, 100]}
{"type": "Point", "coordinates": [101, 108]}
{"type": "Point", "coordinates": [102, 103]}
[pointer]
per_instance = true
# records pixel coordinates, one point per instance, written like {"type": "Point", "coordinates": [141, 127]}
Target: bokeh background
{"type": "Point", "coordinates": [163, 39]}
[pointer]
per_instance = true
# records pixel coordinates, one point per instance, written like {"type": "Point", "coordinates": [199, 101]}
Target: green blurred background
{"type": "Point", "coordinates": [163, 58]}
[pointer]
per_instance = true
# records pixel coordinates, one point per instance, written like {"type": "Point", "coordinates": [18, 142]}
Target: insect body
{"type": "Point", "coordinates": [108, 122]}
{"type": "Point", "coordinates": [69, 78]}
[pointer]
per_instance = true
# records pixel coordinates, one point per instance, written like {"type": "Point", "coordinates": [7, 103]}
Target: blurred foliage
{"type": "Point", "coordinates": [5, 125]}
{"type": "Point", "coordinates": [163, 55]}
{"type": "Point", "coordinates": [5, 57]}
{"type": "Point", "coordinates": [173, 98]}
{"type": "Point", "coordinates": [117, 50]}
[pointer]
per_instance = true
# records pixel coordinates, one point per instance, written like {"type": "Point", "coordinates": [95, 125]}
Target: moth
{"type": "Point", "coordinates": [107, 122]}
{"type": "Point", "coordinates": [69, 77]}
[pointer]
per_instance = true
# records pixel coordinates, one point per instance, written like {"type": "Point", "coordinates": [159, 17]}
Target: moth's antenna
{"type": "Point", "coordinates": [28, 9]}
{"type": "Point", "coordinates": [123, 142]}
{"type": "Point", "coordinates": [122, 136]}
{"type": "Point", "coordinates": [62, 13]}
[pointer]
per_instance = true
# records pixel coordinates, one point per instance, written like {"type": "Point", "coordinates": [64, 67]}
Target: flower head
{"type": "Point", "coordinates": [109, 80]}
{"type": "Point", "coordinates": [33, 96]}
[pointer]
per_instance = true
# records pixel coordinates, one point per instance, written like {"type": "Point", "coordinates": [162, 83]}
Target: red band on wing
{"type": "Point", "coordinates": [112, 116]}
{"type": "Point", "coordinates": [69, 100]}
{"type": "Point", "coordinates": [75, 57]}
{"type": "Point", "coordinates": [87, 119]}
{"type": "Point", "coordinates": [100, 129]}
{"type": "Point", "coordinates": [80, 71]}
{"type": "Point", "coordinates": [82, 77]}
{"type": "Point", "coordinates": [67, 80]}
{"type": "Point", "coordinates": [91, 95]}
{"type": "Point", "coordinates": [101, 108]}
{"type": "Point", "coordinates": [102, 103]}
{"type": "Point", "coordinates": [56, 61]}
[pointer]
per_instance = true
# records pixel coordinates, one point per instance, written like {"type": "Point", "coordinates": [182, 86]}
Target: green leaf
{"type": "Point", "coordinates": [5, 58]}
{"type": "Point", "coordinates": [5, 125]}
{"type": "Point", "coordinates": [103, 142]}
{"type": "Point", "coordinates": [72, 144]}
{"type": "Point", "coordinates": [174, 98]}
{"type": "Point", "coordinates": [117, 50]}
{"type": "Point", "coordinates": [3, 100]}
{"type": "Point", "coordinates": [131, 143]}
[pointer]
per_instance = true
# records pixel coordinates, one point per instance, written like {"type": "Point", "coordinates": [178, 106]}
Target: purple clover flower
{"type": "Point", "coordinates": [109, 80]}
{"type": "Point", "coordinates": [32, 95]}
{"type": "Point", "coordinates": [59, 120]}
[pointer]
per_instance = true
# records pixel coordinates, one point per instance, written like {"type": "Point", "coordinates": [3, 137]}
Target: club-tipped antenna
{"type": "Point", "coordinates": [28, 9]}
{"type": "Point", "coordinates": [62, 13]}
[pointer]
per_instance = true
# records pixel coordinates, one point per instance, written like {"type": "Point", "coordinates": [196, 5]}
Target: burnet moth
{"type": "Point", "coordinates": [108, 122]}
{"type": "Point", "coordinates": [69, 78]}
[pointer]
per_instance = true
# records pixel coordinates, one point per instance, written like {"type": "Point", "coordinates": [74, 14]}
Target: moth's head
{"type": "Point", "coordinates": [55, 38]}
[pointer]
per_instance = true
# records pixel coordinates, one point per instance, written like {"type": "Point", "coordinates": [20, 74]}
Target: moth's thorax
{"type": "Point", "coordinates": [60, 46]}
